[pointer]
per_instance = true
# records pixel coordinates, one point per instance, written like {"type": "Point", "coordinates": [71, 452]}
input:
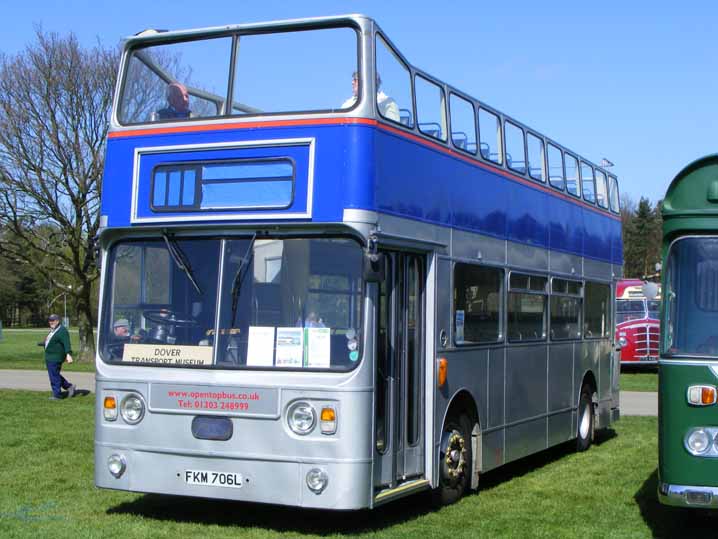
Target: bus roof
{"type": "Point", "coordinates": [691, 202]}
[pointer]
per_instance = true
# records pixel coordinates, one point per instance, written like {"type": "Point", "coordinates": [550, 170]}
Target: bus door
{"type": "Point", "coordinates": [399, 421]}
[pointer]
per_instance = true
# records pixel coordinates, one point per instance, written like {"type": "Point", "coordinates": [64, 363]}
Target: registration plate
{"type": "Point", "coordinates": [213, 479]}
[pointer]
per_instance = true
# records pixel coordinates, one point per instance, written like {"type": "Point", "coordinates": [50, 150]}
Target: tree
{"type": "Point", "coordinates": [54, 103]}
{"type": "Point", "coordinates": [641, 238]}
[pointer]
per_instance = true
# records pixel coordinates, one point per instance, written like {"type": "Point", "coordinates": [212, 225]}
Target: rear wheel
{"type": "Point", "coordinates": [585, 419]}
{"type": "Point", "coordinates": [455, 460]}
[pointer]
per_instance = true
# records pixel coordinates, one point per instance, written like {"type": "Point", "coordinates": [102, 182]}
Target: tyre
{"type": "Point", "coordinates": [586, 419]}
{"type": "Point", "coordinates": [455, 460]}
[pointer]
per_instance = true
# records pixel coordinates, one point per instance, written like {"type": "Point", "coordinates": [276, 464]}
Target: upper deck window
{"type": "Point", "coordinates": [573, 186]}
{"type": "Point", "coordinates": [613, 194]}
{"type": "Point", "coordinates": [490, 136]}
{"type": "Point", "coordinates": [535, 153]}
{"type": "Point", "coordinates": [587, 183]}
{"type": "Point", "coordinates": [463, 124]}
{"type": "Point", "coordinates": [175, 82]}
{"type": "Point", "coordinates": [393, 83]}
{"type": "Point", "coordinates": [296, 71]}
{"type": "Point", "coordinates": [601, 189]}
{"type": "Point", "coordinates": [430, 108]}
{"type": "Point", "coordinates": [515, 147]}
{"type": "Point", "coordinates": [555, 167]}
{"type": "Point", "coordinates": [273, 73]}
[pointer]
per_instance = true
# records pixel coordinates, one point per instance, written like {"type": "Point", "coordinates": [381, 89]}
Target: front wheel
{"type": "Point", "coordinates": [455, 460]}
{"type": "Point", "coordinates": [586, 420]}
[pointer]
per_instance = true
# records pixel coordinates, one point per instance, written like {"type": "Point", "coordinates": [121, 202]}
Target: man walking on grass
{"type": "Point", "coordinates": [58, 350]}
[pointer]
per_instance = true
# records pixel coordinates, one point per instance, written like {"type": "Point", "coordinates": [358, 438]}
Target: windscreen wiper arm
{"type": "Point", "coordinates": [181, 260]}
{"type": "Point", "coordinates": [237, 282]}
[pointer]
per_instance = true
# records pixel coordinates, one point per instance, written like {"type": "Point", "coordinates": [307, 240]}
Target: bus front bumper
{"type": "Point", "coordinates": [252, 480]}
{"type": "Point", "coordinates": [688, 496]}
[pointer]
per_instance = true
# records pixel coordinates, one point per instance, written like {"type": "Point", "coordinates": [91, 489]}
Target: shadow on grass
{"type": "Point", "coordinates": [528, 464]}
{"type": "Point", "coordinates": [666, 521]}
{"type": "Point", "coordinates": [320, 522]}
{"type": "Point", "coordinates": [276, 518]}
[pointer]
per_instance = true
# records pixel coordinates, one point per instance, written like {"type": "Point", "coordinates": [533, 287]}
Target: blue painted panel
{"type": "Point", "coordinates": [527, 215]}
{"type": "Point", "coordinates": [565, 226]}
{"type": "Point", "coordinates": [363, 167]}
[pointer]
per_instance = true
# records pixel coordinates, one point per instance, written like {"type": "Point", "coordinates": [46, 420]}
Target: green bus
{"type": "Point", "coordinates": [688, 366]}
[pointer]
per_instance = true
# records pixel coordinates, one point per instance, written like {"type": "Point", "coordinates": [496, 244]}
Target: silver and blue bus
{"type": "Point", "coordinates": [330, 280]}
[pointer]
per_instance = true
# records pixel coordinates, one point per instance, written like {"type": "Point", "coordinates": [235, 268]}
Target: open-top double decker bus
{"type": "Point", "coordinates": [688, 366]}
{"type": "Point", "coordinates": [331, 280]}
{"type": "Point", "coordinates": [637, 323]}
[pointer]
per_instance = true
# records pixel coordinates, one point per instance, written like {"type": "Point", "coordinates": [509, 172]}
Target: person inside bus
{"type": "Point", "coordinates": [121, 329]}
{"type": "Point", "coordinates": [177, 103]}
{"type": "Point", "coordinates": [386, 105]}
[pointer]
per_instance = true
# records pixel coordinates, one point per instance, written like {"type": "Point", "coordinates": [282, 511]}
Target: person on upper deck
{"type": "Point", "coordinates": [177, 103]}
{"type": "Point", "coordinates": [386, 105]}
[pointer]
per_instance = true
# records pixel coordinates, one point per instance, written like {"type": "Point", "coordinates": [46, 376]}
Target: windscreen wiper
{"type": "Point", "coordinates": [237, 282]}
{"type": "Point", "coordinates": [181, 260]}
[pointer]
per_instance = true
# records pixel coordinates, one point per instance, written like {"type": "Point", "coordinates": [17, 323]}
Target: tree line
{"type": "Point", "coordinates": [55, 100]}
{"type": "Point", "coordinates": [642, 236]}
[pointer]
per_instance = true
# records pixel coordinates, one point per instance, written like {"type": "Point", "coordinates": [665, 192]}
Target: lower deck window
{"type": "Point", "coordinates": [477, 304]}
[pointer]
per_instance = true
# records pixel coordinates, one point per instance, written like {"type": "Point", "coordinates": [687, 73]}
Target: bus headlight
{"type": "Point", "coordinates": [132, 409]}
{"type": "Point", "coordinates": [698, 441]}
{"type": "Point", "coordinates": [301, 418]}
{"type": "Point", "coordinates": [622, 341]}
{"type": "Point", "coordinates": [317, 480]}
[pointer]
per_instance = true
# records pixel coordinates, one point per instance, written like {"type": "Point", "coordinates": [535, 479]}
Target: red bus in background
{"type": "Point", "coordinates": [637, 323]}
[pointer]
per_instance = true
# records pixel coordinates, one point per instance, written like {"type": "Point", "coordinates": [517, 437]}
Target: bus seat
{"type": "Point", "coordinates": [460, 139]}
{"type": "Point", "coordinates": [405, 117]}
{"type": "Point", "coordinates": [485, 151]}
{"type": "Point", "coordinates": [432, 129]}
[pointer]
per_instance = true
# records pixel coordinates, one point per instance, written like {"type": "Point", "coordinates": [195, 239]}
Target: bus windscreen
{"type": "Point", "coordinates": [234, 303]}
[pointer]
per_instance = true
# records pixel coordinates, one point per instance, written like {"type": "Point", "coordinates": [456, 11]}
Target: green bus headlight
{"type": "Point", "coordinates": [698, 441]}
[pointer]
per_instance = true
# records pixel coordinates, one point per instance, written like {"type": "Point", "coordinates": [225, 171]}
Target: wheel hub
{"type": "Point", "coordinates": [454, 462]}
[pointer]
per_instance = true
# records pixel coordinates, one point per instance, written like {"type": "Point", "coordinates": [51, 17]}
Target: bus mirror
{"type": "Point", "coordinates": [374, 264]}
{"type": "Point", "coordinates": [650, 290]}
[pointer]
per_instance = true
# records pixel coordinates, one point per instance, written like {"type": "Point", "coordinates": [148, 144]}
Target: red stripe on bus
{"type": "Point", "coordinates": [357, 121]}
{"type": "Point", "coordinates": [243, 125]}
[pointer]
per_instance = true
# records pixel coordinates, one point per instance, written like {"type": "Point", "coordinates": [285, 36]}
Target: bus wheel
{"type": "Point", "coordinates": [585, 419]}
{"type": "Point", "coordinates": [455, 460]}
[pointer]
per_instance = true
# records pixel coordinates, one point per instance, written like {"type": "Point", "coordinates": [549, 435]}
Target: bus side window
{"type": "Point", "coordinates": [572, 184]}
{"type": "Point", "coordinates": [587, 183]}
{"type": "Point", "coordinates": [515, 148]}
{"type": "Point", "coordinates": [393, 82]}
{"type": "Point", "coordinates": [536, 165]}
{"type": "Point", "coordinates": [555, 167]}
{"type": "Point", "coordinates": [490, 136]}
{"type": "Point", "coordinates": [430, 109]}
{"type": "Point", "coordinates": [463, 124]}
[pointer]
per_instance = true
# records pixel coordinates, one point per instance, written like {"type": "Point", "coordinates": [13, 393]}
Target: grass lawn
{"type": "Point", "coordinates": [19, 350]}
{"type": "Point", "coordinates": [608, 491]}
{"type": "Point", "coordinates": [639, 380]}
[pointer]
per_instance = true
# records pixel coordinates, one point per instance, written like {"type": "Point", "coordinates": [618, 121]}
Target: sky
{"type": "Point", "coordinates": [633, 82]}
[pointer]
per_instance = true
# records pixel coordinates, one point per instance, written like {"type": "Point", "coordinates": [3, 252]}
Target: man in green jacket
{"type": "Point", "coordinates": [57, 351]}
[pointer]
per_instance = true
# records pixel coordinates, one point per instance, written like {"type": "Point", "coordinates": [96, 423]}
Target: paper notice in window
{"type": "Point", "coordinates": [459, 337]}
{"type": "Point", "coordinates": [260, 349]}
{"type": "Point", "coordinates": [289, 347]}
{"type": "Point", "coordinates": [318, 347]}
